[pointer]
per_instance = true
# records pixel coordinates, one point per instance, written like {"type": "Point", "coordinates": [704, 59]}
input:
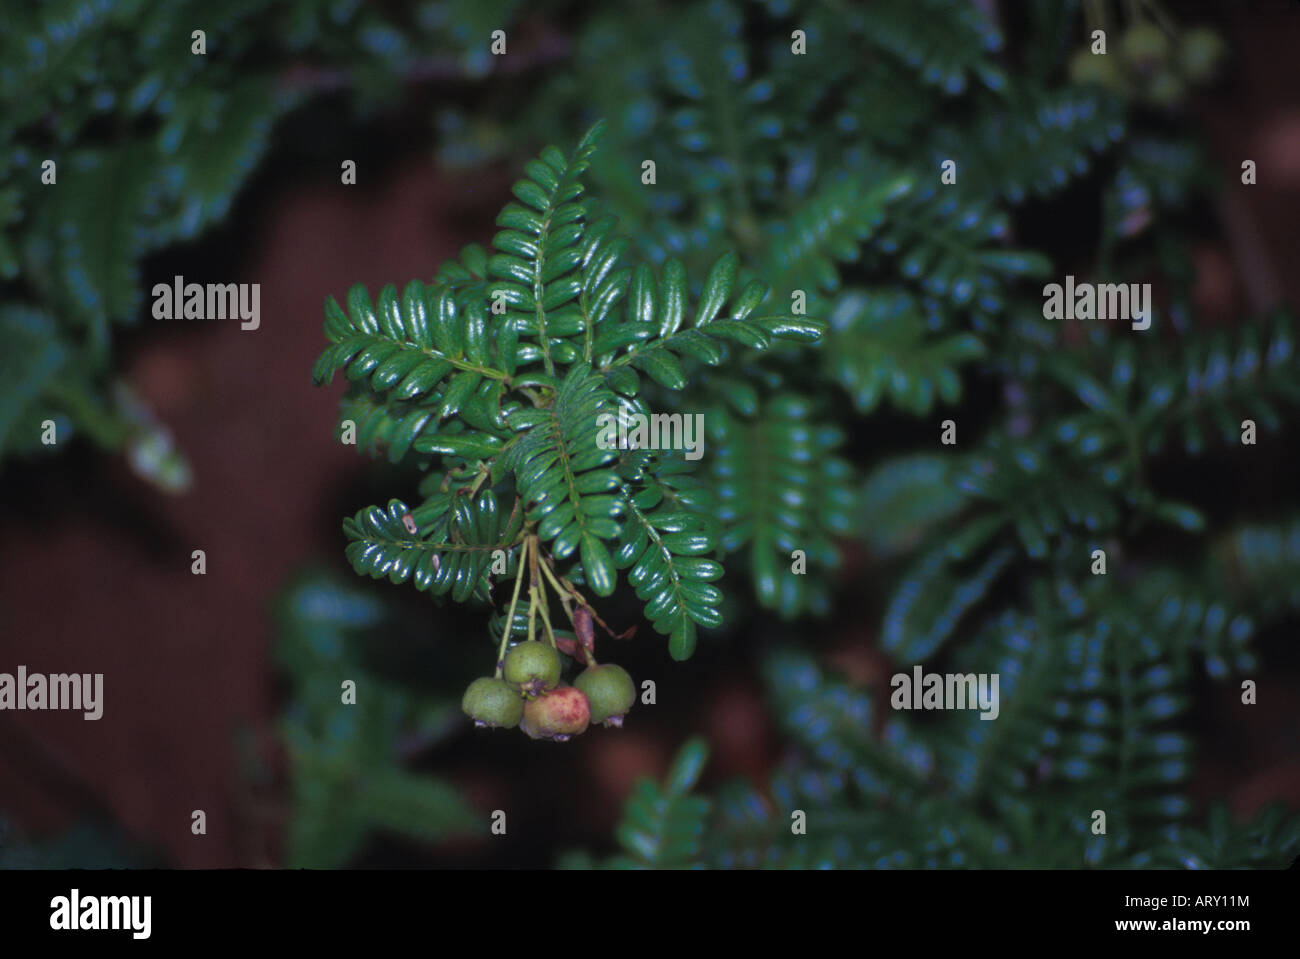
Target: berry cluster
{"type": "Point", "coordinates": [527, 693]}
{"type": "Point", "coordinates": [526, 690]}
{"type": "Point", "coordinates": [1155, 65]}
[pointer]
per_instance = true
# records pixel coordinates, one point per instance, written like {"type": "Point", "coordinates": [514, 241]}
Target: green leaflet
{"type": "Point", "coordinates": [31, 358]}
{"type": "Point", "coordinates": [904, 499]}
{"type": "Point", "coordinates": [449, 553]}
{"type": "Point", "coordinates": [781, 488]}
{"type": "Point", "coordinates": [879, 347]}
{"type": "Point", "coordinates": [225, 133]}
{"type": "Point", "coordinates": [556, 457]}
{"type": "Point", "coordinates": [670, 526]}
{"type": "Point", "coordinates": [507, 361]}
{"type": "Point", "coordinates": [931, 601]}
{"type": "Point", "coordinates": [347, 776]}
{"type": "Point", "coordinates": [541, 249]}
{"type": "Point", "coordinates": [88, 236]}
{"type": "Point", "coordinates": [653, 340]}
{"type": "Point", "coordinates": [663, 826]}
{"type": "Point", "coordinates": [830, 227]}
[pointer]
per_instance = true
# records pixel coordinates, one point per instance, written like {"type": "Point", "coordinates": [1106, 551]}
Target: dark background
{"type": "Point", "coordinates": [95, 570]}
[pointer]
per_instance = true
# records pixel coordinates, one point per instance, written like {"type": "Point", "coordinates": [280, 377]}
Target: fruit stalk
{"type": "Point", "coordinates": [509, 626]}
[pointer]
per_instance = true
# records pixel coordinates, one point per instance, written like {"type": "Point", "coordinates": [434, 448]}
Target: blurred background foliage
{"type": "Point", "coordinates": [823, 171]}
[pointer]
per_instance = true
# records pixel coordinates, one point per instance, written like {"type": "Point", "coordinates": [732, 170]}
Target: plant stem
{"type": "Point", "coordinates": [452, 474]}
{"type": "Point", "coordinates": [478, 480]}
{"type": "Point", "coordinates": [1161, 16]}
{"type": "Point", "coordinates": [581, 601]}
{"type": "Point", "coordinates": [544, 608]}
{"type": "Point", "coordinates": [565, 590]}
{"type": "Point", "coordinates": [533, 584]}
{"type": "Point", "coordinates": [510, 616]}
{"type": "Point", "coordinates": [563, 593]}
{"type": "Point", "coordinates": [1094, 15]}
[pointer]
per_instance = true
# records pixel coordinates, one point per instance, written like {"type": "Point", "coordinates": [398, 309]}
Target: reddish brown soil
{"type": "Point", "coordinates": [185, 657]}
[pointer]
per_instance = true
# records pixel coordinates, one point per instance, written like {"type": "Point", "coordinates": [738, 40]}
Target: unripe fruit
{"type": "Point", "coordinates": [1098, 68]}
{"type": "Point", "coordinates": [609, 690]}
{"type": "Point", "coordinates": [492, 702]}
{"type": "Point", "coordinates": [1199, 52]}
{"type": "Point", "coordinates": [1144, 47]}
{"type": "Point", "coordinates": [557, 715]}
{"type": "Point", "coordinates": [532, 668]}
{"type": "Point", "coordinates": [1166, 89]}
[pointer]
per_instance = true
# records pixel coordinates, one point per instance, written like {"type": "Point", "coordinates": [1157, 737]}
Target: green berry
{"type": "Point", "coordinates": [1095, 68]}
{"type": "Point", "coordinates": [1199, 52]}
{"type": "Point", "coordinates": [1166, 89]}
{"type": "Point", "coordinates": [610, 691]}
{"type": "Point", "coordinates": [1144, 47]}
{"type": "Point", "coordinates": [557, 715]}
{"type": "Point", "coordinates": [492, 702]}
{"type": "Point", "coordinates": [532, 668]}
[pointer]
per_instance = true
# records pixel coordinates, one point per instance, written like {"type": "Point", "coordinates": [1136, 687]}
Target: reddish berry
{"type": "Point", "coordinates": [557, 715]}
